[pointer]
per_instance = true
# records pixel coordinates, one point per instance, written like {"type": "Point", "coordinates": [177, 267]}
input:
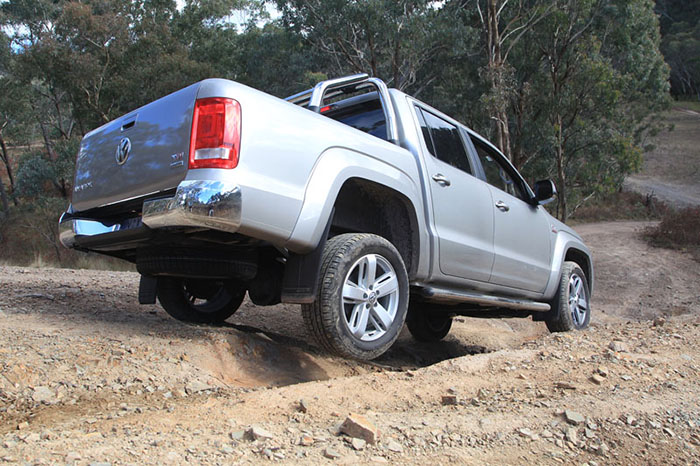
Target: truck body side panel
{"type": "Point", "coordinates": [289, 174]}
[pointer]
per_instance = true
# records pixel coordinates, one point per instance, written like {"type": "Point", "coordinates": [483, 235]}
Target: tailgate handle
{"type": "Point", "coordinates": [129, 122]}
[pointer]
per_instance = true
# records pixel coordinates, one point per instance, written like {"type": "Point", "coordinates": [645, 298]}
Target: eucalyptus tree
{"type": "Point", "coordinates": [16, 119]}
{"type": "Point", "coordinates": [85, 63]}
{"type": "Point", "coordinates": [404, 42]}
{"type": "Point", "coordinates": [503, 23]}
{"type": "Point", "coordinates": [601, 80]}
{"type": "Point", "coordinates": [4, 121]}
{"type": "Point", "coordinates": [680, 30]}
{"type": "Point", "coordinates": [278, 60]}
{"type": "Point", "coordinates": [236, 39]}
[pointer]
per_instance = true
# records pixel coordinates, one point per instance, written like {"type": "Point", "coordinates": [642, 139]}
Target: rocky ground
{"type": "Point", "coordinates": [88, 376]}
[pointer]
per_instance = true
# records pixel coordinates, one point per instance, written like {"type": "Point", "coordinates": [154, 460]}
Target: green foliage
{"type": "Point", "coordinates": [103, 58]}
{"type": "Point", "coordinates": [5, 53]}
{"type": "Point", "coordinates": [576, 83]}
{"type": "Point", "coordinates": [34, 15]}
{"type": "Point", "coordinates": [34, 176]}
{"type": "Point", "coordinates": [680, 27]}
{"type": "Point", "coordinates": [590, 80]}
{"type": "Point", "coordinates": [39, 177]}
{"type": "Point", "coordinates": [682, 50]}
{"type": "Point", "coordinates": [276, 60]}
{"type": "Point", "coordinates": [404, 42]}
{"type": "Point", "coordinates": [16, 118]}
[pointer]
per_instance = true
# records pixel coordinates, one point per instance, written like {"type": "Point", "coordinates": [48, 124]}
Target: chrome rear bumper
{"type": "Point", "coordinates": [204, 204]}
{"type": "Point", "coordinates": [70, 230]}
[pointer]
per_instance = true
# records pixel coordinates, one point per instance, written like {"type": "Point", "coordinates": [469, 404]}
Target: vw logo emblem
{"type": "Point", "coordinates": [123, 151]}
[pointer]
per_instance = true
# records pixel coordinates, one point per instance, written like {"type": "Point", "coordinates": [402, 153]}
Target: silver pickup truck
{"type": "Point", "coordinates": [368, 207]}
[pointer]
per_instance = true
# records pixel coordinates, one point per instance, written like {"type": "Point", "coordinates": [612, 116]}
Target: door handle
{"type": "Point", "coordinates": [441, 179]}
{"type": "Point", "coordinates": [502, 206]}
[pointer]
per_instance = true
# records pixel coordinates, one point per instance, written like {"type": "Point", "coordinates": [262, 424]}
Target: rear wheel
{"type": "Point", "coordinates": [200, 300]}
{"type": "Point", "coordinates": [571, 307]}
{"type": "Point", "coordinates": [362, 299]}
{"type": "Point", "coordinates": [425, 325]}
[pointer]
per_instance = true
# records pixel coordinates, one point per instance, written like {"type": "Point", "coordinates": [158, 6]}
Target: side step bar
{"type": "Point", "coordinates": [439, 295]}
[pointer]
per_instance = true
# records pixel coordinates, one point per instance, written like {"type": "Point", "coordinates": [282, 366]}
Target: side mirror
{"type": "Point", "coordinates": [545, 192]}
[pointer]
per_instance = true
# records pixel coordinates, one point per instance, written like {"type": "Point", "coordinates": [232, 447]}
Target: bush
{"type": "Point", "coordinates": [42, 176]}
{"type": "Point", "coordinates": [679, 229]}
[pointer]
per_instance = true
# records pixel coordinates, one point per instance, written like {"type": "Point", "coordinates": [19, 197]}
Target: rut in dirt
{"type": "Point", "coordinates": [251, 356]}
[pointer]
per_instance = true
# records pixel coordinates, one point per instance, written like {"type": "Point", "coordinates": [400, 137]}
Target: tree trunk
{"type": "Point", "coordinates": [519, 158]}
{"type": "Point", "coordinates": [496, 71]}
{"type": "Point", "coordinates": [561, 175]}
{"type": "Point", "coordinates": [8, 166]}
{"type": "Point", "coordinates": [45, 134]}
{"type": "Point", "coordinates": [47, 141]}
{"type": "Point", "coordinates": [504, 134]}
{"type": "Point", "coordinates": [57, 249]}
{"type": "Point", "coordinates": [3, 198]}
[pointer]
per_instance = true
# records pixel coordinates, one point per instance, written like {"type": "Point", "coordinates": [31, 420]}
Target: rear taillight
{"type": "Point", "coordinates": [216, 133]}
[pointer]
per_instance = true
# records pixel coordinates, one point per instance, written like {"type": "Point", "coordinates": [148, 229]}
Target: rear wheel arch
{"type": "Point", "coordinates": [359, 206]}
{"type": "Point", "coordinates": [365, 206]}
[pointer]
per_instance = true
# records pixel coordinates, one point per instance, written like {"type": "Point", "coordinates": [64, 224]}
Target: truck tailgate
{"type": "Point", "coordinates": [143, 152]}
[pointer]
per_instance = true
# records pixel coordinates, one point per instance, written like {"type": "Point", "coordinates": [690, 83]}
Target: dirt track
{"type": "Point", "coordinates": [88, 375]}
{"type": "Point", "coordinates": [671, 171]}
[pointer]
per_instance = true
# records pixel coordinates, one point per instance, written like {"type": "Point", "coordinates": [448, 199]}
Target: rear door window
{"type": "Point", "coordinates": [443, 140]}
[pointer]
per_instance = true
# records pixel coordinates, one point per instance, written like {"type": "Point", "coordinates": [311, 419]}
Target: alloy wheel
{"type": "Point", "coordinates": [578, 301]}
{"type": "Point", "coordinates": [370, 297]}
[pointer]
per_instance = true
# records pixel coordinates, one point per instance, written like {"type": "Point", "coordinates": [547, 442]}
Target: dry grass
{"type": "Point", "coordinates": [676, 156]}
{"type": "Point", "coordinates": [94, 261]}
{"type": "Point", "coordinates": [620, 206]}
{"type": "Point", "coordinates": [693, 105]}
{"type": "Point", "coordinates": [679, 229]}
{"type": "Point", "coordinates": [30, 239]}
{"type": "Point", "coordinates": [677, 159]}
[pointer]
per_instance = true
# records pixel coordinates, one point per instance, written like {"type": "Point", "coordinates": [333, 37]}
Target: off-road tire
{"type": "Point", "coordinates": [324, 318]}
{"type": "Point", "coordinates": [427, 326]}
{"type": "Point", "coordinates": [560, 318]}
{"type": "Point", "coordinates": [220, 299]}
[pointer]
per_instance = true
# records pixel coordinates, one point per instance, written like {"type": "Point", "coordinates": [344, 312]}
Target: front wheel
{"type": "Point", "coordinates": [362, 299]}
{"type": "Point", "coordinates": [199, 300]}
{"type": "Point", "coordinates": [571, 306]}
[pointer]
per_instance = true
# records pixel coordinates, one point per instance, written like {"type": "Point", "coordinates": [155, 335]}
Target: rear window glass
{"type": "Point", "coordinates": [443, 141]}
{"type": "Point", "coordinates": [367, 117]}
